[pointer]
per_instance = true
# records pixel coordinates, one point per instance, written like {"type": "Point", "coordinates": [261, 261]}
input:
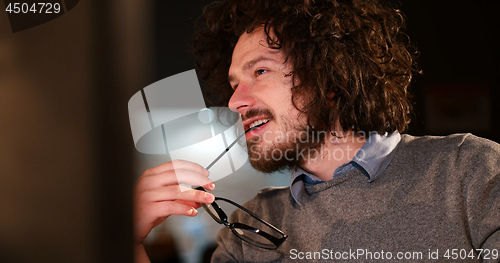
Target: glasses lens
{"type": "Point", "coordinates": [211, 211]}
{"type": "Point", "coordinates": [253, 238]}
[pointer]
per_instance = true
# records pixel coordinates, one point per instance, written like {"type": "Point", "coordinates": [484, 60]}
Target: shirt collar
{"type": "Point", "coordinates": [376, 153]}
{"type": "Point", "coordinates": [372, 159]}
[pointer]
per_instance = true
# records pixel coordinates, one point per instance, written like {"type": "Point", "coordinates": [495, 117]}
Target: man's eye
{"type": "Point", "coordinates": [260, 72]}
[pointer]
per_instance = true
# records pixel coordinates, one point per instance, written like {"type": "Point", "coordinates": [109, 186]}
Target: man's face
{"type": "Point", "coordinates": [262, 83]}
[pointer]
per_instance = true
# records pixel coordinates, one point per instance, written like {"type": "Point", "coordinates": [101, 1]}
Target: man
{"type": "Point", "coordinates": [326, 83]}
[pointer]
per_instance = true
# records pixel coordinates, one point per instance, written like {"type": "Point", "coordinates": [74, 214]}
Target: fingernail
{"type": "Point", "coordinates": [211, 186]}
{"type": "Point", "coordinates": [209, 197]}
{"type": "Point", "coordinates": [207, 172]}
{"type": "Point", "coordinates": [193, 212]}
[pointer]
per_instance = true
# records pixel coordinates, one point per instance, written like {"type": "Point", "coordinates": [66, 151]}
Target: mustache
{"type": "Point", "coordinates": [258, 112]}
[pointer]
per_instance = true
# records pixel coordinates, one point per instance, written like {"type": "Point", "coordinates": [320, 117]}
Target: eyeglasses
{"type": "Point", "coordinates": [271, 239]}
{"type": "Point", "coordinates": [252, 235]}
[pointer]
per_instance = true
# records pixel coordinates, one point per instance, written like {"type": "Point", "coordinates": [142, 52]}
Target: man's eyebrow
{"type": "Point", "coordinates": [254, 61]}
{"type": "Point", "coordinates": [249, 64]}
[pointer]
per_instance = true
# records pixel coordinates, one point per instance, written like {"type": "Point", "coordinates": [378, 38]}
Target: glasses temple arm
{"type": "Point", "coordinates": [252, 214]}
{"type": "Point", "coordinates": [228, 148]}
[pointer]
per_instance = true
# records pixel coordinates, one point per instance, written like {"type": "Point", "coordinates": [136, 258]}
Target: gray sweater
{"type": "Point", "coordinates": [438, 199]}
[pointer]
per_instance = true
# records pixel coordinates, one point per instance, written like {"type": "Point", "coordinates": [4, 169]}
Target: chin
{"type": "Point", "coordinates": [268, 167]}
{"type": "Point", "coordinates": [279, 157]}
{"type": "Point", "coordinates": [271, 158]}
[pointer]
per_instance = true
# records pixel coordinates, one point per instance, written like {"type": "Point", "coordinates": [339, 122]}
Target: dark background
{"type": "Point", "coordinates": [66, 151]}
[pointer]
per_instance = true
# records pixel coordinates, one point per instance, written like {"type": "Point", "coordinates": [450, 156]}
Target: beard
{"type": "Point", "coordinates": [291, 147]}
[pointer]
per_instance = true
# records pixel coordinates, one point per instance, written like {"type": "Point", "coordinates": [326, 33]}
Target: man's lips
{"type": "Point", "coordinates": [254, 131]}
{"type": "Point", "coordinates": [256, 127]}
{"type": "Point", "coordinates": [248, 122]}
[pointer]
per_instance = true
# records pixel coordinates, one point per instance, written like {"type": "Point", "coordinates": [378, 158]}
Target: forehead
{"type": "Point", "coordinates": [251, 45]}
{"type": "Point", "coordinates": [250, 41]}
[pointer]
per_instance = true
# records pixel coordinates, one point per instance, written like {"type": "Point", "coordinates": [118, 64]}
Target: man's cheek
{"type": "Point", "coordinates": [268, 136]}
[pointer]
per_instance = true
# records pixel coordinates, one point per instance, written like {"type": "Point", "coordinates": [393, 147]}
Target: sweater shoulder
{"type": "Point", "coordinates": [429, 141]}
{"type": "Point", "coordinates": [270, 195]}
{"type": "Point", "coordinates": [268, 203]}
{"type": "Point", "coordinates": [463, 153]}
{"type": "Point", "coordinates": [461, 142]}
{"type": "Point", "coordinates": [272, 191]}
{"type": "Point", "coordinates": [472, 142]}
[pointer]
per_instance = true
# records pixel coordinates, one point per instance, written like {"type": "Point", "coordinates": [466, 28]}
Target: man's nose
{"type": "Point", "coordinates": [242, 99]}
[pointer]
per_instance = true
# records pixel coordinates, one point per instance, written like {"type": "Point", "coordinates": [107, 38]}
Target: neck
{"type": "Point", "coordinates": [332, 154]}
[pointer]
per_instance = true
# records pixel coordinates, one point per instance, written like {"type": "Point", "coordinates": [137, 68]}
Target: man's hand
{"type": "Point", "coordinates": [159, 195]}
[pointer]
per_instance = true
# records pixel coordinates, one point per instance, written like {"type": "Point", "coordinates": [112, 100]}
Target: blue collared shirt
{"type": "Point", "coordinates": [371, 159]}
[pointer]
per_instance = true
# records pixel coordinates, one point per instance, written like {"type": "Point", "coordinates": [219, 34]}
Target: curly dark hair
{"type": "Point", "coordinates": [352, 49]}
